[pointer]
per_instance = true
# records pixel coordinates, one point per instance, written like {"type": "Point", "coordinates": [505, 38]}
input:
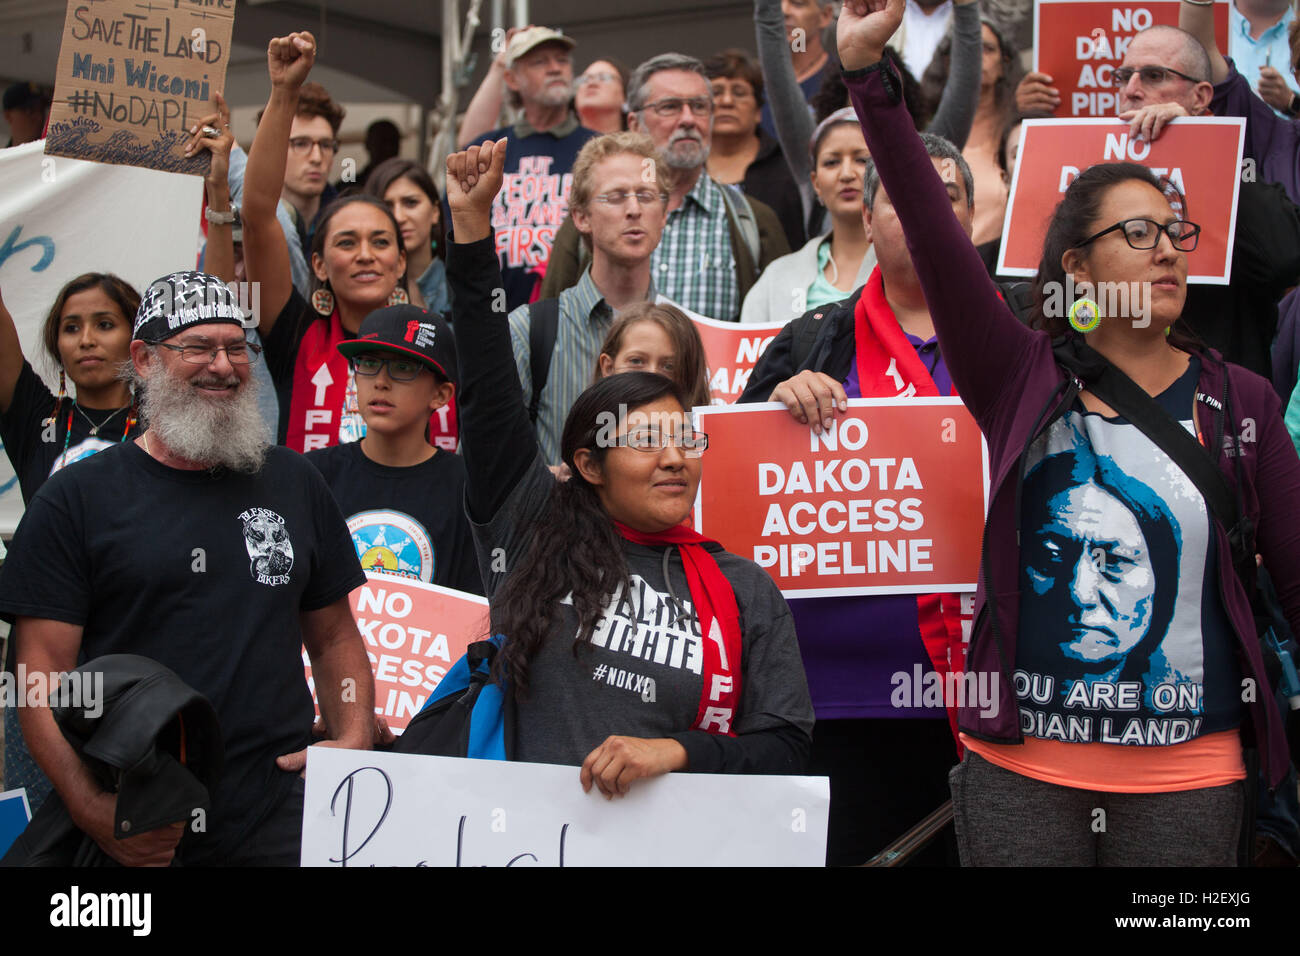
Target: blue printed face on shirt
{"type": "Point", "coordinates": [1092, 553]}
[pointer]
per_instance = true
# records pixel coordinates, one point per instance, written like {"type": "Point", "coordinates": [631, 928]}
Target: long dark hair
{"type": "Point", "coordinates": [119, 290]}
{"type": "Point", "coordinates": [332, 210]}
{"type": "Point", "coordinates": [575, 549]}
{"type": "Point", "coordinates": [1071, 224]}
{"type": "Point", "coordinates": [391, 170]}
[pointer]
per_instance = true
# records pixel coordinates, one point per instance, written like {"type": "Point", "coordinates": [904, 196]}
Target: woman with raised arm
{"type": "Point", "coordinates": [358, 263]}
{"type": "Point", "coordinates": [633, 646]}
{"type": "Point", "coordinates": [1110, 611]}
{"type": "Point", "coordinates": [795, 124]}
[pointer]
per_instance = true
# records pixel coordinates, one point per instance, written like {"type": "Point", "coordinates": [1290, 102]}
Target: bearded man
{"type": "Point", "coordinates": [540, 152]}
{"type": "Point", "coordinates": [205, 548]}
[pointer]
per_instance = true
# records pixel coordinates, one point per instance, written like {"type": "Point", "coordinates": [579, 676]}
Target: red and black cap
{"type": "Point", "coordinates": [407, 330]}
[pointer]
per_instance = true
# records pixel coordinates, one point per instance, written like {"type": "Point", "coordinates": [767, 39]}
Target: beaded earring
{"type": "Point", "coordinates": [399, 297]}
{"type": "Point", "coordinates": [322, 300]}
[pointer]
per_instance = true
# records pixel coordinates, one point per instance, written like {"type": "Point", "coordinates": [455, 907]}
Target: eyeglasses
{"type": "Point", "coordinates": [238, 353]}
{"type": "Point", "coordinates": [1151, 75]}
{"type": "Point", "coordinates": [619, 197]}
{"type": "Point", "coordinates": [302, 145]}
{"type": "Point", "coordinates": [588, 78]}
{"type": "Point", "coordinates": [1145, 233]}
{"type": "Point", "coordinates": [399, 370]}
{"type": "Point", "coordinates": [737, 92]}
{"type": "Point", "coordinates": [672, 106]}
{"type": "Point", "coordinates": [692, 444]}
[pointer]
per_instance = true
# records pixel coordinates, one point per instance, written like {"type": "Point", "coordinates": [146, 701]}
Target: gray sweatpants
{"type": "Point", "coordinates": [1005, 819]}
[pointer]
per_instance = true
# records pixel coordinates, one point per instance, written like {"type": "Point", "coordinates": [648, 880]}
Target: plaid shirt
{"type": "Point", "coordinates": [694, 265]}
{"type": "Point", "coordinates": [585, 318]}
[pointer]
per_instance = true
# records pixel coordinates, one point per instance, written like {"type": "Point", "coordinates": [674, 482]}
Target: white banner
{"type": "Point", "coordinates": [383, 809]}
{"type": "Point", "coordinates": [61, 217]}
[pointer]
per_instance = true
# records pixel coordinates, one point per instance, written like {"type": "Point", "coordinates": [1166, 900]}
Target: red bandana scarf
{"type": "Point", "coordinates": [715, 606]}
{"type": "Point", "coordinates": [888, 367]}
{"type": "Point", "coordinates": [320, 389]}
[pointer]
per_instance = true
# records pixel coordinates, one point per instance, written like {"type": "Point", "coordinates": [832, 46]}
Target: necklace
{"type": "Point", "coordinates": [96, 426]}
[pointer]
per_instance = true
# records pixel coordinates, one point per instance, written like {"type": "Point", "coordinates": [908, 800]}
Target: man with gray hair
{"type": "Point", "coordinates": [540, 151]}
{"type": "Point", "coordinates": [1168, 74]}
{"type": "Point", "coordinates": [878, 343]}
{"type": "Point", "coordinates": [717, 241]}
{"type": "Point", "coordinates": [205, 548]}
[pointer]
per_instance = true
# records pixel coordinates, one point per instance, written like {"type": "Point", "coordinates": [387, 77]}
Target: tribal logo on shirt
{"type": "Point", "coordinates": [391, 542]}
{"type": "Point", "coordinates": [270, 551]}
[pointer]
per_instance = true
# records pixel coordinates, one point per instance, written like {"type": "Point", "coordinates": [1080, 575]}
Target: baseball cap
{"type": "Point", "coordinates": [23, 96]}
{"type": "Point", "coordinates": [175, 302]}
{"type": "Point", "coordinates": [530, 39]}
{"type": "Point", "coordinates": [407, 330]}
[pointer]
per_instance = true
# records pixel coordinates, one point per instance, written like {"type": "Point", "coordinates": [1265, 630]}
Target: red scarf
{"type": "Point", "coordinates": [715, 607]}
{"type": "Point", "coordinates": [320, 390]}
{"type": "Point", "coordinates": [888, 367]}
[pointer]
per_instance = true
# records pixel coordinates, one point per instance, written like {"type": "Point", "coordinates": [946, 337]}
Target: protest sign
{"type": "Point", "coordinates": [61, 217]}
{"type": "Point", "coordinates": [1078, 43]}
{"type": "Point", "coordinates": [413, 633]}
{"type": "Point", "coordinates": [731, 350]}
{"type": "Point", "coordinates": [890, 500]}
{"type": "Point", "coordinates": [133, 78]}
{"type": "Point", "coordinates": [1201, 155]}
{"type": "Point", "coordinates": [383, 809]}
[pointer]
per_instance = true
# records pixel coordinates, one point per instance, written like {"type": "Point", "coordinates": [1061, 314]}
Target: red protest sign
{"type": "Point", "coordinates": [1201, 155]}
{"type": "Point", "coordinates": [731, 350]}
{"type": "Point", "coordinates": [413, 632]}
{"type": "Point", "coordinates": [1078, 43]}
{"type": "Point", "coordinates": [891, 500]}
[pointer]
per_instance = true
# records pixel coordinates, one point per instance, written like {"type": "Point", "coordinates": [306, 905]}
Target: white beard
{"type": "Point", "coordinates": [230, 433]}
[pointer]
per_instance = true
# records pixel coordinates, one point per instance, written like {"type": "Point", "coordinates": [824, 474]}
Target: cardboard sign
{"type": "Point", "coordinates": [413, 633]}
{"type": "Point", "coordinates": [891, 500]}
{"type": "Point", "coordinates": [1078, 43]}
{"type": "Point", "coordinates": [384, 809]}
{"type": "Point", "coordinates": [732, 350]}
{"type": "Point", "coordinates": [134, 77]}
{"type": "Point", "coordinates": [59, 218]}
{"type": "Point", "coordinates": [1201, 155]}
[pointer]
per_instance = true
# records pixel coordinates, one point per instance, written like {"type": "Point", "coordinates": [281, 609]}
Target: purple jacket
{"type": "Point", "coordinates": [1009, 379]}
{"type": "Point", "coordinates": [1271, 141]}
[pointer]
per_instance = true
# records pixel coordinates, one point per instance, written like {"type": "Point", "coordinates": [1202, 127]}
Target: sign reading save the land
{"type": "Point", "coordinates": [134, 76]}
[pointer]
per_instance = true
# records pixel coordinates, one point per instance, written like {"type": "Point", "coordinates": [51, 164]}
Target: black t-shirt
{"type": "Point", "coordinates": [406, 521]}
{"type": "Point", "coordinates": [206, 573]}
{"type": "Point", "coordinates": [36, 445]}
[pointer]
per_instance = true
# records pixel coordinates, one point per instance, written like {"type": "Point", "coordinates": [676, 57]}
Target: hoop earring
{"type": "Point", "coordinates": [1085, 315]}
{"type": "Point", "coordinates": [399, 297]}
{"type": "Point", "coordinates": [322, 300]}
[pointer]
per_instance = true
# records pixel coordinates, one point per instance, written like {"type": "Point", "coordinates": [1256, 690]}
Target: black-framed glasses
{"type": "Point", "coordinates": [619, 197]}
{"type": "Point", "coordinates": [302, 145]}
{"type": "Point", "coordinates": [1145, 233]}
{"type": "Point", "coordinates": [399, 369]}
{"type": "Point", "coordinates": [672, 106]}
{"type": "Point", "coordinates": [648, 438]}
{"type": "Point", "coordinates": [238, 353]}
{"type": "Point", "coordinates": [1151, 75]}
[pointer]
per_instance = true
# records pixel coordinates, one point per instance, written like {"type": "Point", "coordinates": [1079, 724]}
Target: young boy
{"type": "Point", "coordinates": [402, 497]}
